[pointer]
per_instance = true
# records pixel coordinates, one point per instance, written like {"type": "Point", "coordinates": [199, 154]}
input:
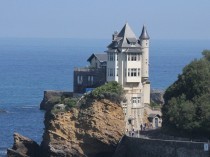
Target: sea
{"type": "Point", "coordinates": [29, 66]}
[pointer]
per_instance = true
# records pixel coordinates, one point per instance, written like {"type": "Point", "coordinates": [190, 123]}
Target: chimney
{"type": "Point", "coordinates": [114, 36]}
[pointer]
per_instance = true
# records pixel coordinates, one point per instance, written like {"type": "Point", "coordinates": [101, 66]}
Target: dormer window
{"type": "Point", "coordinates": [131, 41]}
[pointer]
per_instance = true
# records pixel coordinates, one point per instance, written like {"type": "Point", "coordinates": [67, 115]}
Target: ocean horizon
{"type": "Point", "coordinates": [29, 66]}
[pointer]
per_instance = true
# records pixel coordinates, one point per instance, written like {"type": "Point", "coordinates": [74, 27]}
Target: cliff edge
{"type": "Point", "coordinates": [91, 129]}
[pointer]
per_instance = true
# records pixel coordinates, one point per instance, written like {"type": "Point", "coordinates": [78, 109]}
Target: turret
{"type": "Point", "coordinates": [144, 42]}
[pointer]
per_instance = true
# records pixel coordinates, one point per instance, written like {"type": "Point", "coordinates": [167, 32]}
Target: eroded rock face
{"type": "Point", "coordinates": [157, 96]}
{"type": "Point", "coordinates": [92, 130]}
{"type": "Point", "coordinates": [23, 147]}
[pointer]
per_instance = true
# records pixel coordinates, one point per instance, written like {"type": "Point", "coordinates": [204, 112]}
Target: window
{"type": "Point", "coordinates": [108, 73]}
{"type": "Point", "coordinates": [138, 72]}
{"type": "Point", "coordinates": [133, 72]}
{"type": "Point", "coordinates": [133, 57]}
{"type": "Point", "coordinates": [91, 79]}
{"type": "Point", "coordinates": [111, 72]}
{"type": "Point", "coordinates": [129, 70]}
{"type": "Point", "coordinates": [117, 71]}
{"type": "Point", "coordinates": [128, 57]}
{"type": "Point", "coordinates": [111, 56]}
{"type": "Point", "coordinates": [136, 100]}
{"type": "Point", "coordinates": [79, 79]}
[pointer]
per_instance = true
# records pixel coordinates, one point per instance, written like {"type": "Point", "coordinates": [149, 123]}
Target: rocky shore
{"type": "Point", "coordinates": [91, 129]}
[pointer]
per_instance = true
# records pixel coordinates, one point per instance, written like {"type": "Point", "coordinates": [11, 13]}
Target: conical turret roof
{"type": "Point", "coordinates": [144, 34]}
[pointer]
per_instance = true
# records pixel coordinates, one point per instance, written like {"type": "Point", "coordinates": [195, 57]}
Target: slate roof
{"type": "Point", "coordinates": [144, 34]}
{"type": "Point", "coordinates": [102, 57]}
{"type": "Point", "coordinates": [126, 32]}
{"type": "Point", "coordinates": [125, 39]}
{"type": "Point", "coordinates": [153, 115]}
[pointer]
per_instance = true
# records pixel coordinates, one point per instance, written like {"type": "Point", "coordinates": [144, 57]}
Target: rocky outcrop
{"type": "Point", "coordinates": [92, 130]}
{"type": "Point", "coordinates": [23, 147]}
{"type": "Point", "coordinates": [157, 96]}
{"type": "Point", "coordinates": [53, 97]}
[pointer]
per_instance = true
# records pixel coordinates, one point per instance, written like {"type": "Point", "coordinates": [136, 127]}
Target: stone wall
{"type": "Point", "coordinates": [138, 147]}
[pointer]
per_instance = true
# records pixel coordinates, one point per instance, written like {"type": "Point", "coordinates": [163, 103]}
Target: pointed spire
{"type": "Point", "coordinates": [126, 32]}
{"type": "Point", "coordinates": [144, 34]}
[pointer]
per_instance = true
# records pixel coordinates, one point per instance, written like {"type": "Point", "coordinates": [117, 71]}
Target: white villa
{"type": "Point", "coordinates": [128, 64]}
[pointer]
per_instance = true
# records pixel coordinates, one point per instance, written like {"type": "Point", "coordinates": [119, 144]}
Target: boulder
{"type": "Point", "coordinates": [23, 147]}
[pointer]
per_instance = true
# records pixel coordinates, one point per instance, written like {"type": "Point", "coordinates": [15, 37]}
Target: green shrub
{"type": "Point", "coordinates": [70, 102]}
{"type": "Point", "coordinates": [111, 90]}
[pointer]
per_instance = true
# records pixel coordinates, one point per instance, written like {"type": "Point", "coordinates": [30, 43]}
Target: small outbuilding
{"type": "Point", "coordinates": [155, 120]}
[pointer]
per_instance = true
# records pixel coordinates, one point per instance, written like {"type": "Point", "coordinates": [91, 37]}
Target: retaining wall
{"type": "Point", "coordinates": [138, 147]}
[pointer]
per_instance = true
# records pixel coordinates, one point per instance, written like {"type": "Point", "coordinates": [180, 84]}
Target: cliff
{"type": "Point", "coordinates": [157, 97]}
{"type": "Point", "coordinates": [90, 130]}
{"type": "Point", "coordinates": [53, 97]}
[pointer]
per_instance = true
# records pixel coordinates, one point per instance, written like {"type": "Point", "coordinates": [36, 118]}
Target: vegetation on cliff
{"type": "Point", "coordinates": [187, 100]}
{"type": "Point", "coordinates": [111, 90]}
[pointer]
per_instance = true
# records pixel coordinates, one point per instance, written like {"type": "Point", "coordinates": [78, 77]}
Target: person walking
{"type": "Point", "coordinates": [141, 126]}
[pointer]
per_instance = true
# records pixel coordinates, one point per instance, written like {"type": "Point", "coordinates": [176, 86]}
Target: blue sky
{"type": "Point", "coordinates": [179, 19]}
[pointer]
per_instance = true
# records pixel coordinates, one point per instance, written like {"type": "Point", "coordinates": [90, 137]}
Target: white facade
{"type": "Point", "coordinates": [112, 66]}
{"type": "Point", "coordinates": [128, 64]}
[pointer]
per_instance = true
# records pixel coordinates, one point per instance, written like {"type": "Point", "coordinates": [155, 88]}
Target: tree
{"type": "Point", "coordinates": [187, 100]}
